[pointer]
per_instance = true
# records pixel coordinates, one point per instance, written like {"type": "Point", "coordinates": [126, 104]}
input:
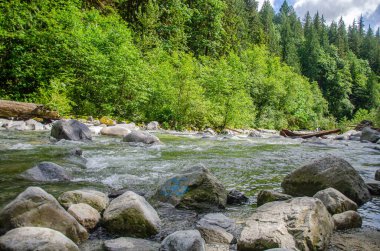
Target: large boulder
{"type": "Point", "coordinates": [36, 238]}
{"type": "Point", "coordinates": [36, 208]}
{"type": "Point", "coordinates": [347, 220]}
{"type": "Point", "coordinates": [324, 173]}
{"type": "Point", "coordinates": [266, 196]}
{"type": "Point", "coordinates": [132, 215]}
{"type": "Point", "coordinates": [369, 134]}
{"type": "Point", "coordinates": [131, 244]}
{"type": "Point", "coordinates": [335, 201]}
{"type": "Point", "coordinates": [115, 131]}
{"type": "Point", "coordinates": [46, 171]}
{"type": "Point", "coordinates": [95, 199]}
{"type": "Point", "coordinates": [70, 130]}
{"type": "Point", "coordinates": [187, 240]}
{"type": "Point", "coordinates": [195, 188]}
{"type": "Point", "coordinates": [299, 224]}
{"type": "Point", "coordinates": [216, 228]}
{"type": "Point", "coordinates": [140, 137]}
{"type": "Point", "coordinates": [86, 215]}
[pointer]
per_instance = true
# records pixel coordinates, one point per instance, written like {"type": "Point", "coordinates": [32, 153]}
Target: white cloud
{"type": "Point", "coordinates": [334, 9]}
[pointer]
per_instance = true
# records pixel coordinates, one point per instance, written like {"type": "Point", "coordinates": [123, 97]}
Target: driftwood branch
{"type": "Point", "coordinates": [287, 133]}
{"type": "Point", "coordinates": [21, 110]}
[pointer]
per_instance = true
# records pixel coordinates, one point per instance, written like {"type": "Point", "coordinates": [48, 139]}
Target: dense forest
{"type": "Point", "coordinates": [189, 64]}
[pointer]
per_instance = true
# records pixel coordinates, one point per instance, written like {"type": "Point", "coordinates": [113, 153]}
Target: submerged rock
{"type": "Point", "coordinates": [95, 199]}
{"type": "Point", "coordinates": [70, 130]}
{"type": "Point", "coordinates": [195, 188]}
{"type": "Point", "coordinates": [216, 228]}
{"type": "Point", "coordinates": [154, 125]}
{"type": "Point", "coordinates": [266, 196]}
{"type": "Point", "coordinates": [132, 215]}
{"type": "Point", "coordinates": [373, 187]}
{"type": "Point", "coordinates": [46, 171]}
{"type": "Point", "coordinates": [36, 238]}
{"type": "Point", "coordinates": [335, 201]}
{"type": "Point", "coordinates": [187, 240]}
{"type": "Point", "coordinates": [86, 215]}
{"type": "Point", "coordinates": [369, 134]}
{"type": "Point", "coordinates": [299, 224]}
{"type": "Point", "coordinates": [35, 207]}
{"type": "Point", "coordinates": [324, 173]}
{"type": "Point", "coordinates": [347, 220]}
{"type": "Point", "coordinates": [140, 137]}
{"type": "Point", "coordinates": [236, 197]}
{"type": "Point", "coordinates": [32, 124]}
{"type": "Point", "coordinates": [131, 244]}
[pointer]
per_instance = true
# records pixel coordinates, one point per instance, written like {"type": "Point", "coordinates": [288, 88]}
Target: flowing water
{"type": "Point", "coordinates": [246, 164]}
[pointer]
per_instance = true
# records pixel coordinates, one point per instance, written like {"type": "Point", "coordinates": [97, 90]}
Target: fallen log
{"type": "Point", "coordinates": [291, 134]}
{"type": "Point", "coordinates": [22, 110]}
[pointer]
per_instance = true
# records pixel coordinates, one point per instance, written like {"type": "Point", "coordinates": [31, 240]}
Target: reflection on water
{"type": "Point", "coordinates": [247, 164]}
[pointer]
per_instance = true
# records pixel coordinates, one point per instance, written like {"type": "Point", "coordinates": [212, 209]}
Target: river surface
{"type": "Point", "coordinates": [246, 164]}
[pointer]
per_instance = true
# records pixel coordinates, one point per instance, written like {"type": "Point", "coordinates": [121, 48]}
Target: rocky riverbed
{"type": "Point", "coordinates": [114, 164]}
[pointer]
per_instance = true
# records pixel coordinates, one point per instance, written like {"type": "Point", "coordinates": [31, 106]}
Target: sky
{"type": "Point", "coordinates": [334, 9]}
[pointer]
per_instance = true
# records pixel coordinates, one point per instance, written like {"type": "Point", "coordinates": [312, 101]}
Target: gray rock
{"type": "Point", "coordinates": [95, 199]}
{"type": "Point", "coordinates": [36, 238]}
{"type": "Point", "coordinates": [36, 208]}
{"type": "Point", "coordinates": [187, 240]}
{"type": "Point", "coordinates": [266, 196]}
{"type": "Point", "coordinates": [16, 125]}
{"type": "Point", "coordinates": [115, 131]}
{"type": "Point", "coordinates": [255, 134]}
{"type": "Point", "coordinates": [70, 130]}
{"type": "Point", "coordinates": [324, 173]}
{"type": "Point", "coordinates": [195, 188]}
{"type": "Point", "coordinates": [154, 125]}
{"type": "Point", "coordinates": [299, 224]}
{"type": "Point", "coordinates": [46, 171]}
{"type": "Point", "coordinates": [236, 197]}
{"type": "Point", "coordinates": [131, 244]}
{"type": "Point", "coordinates": [140, 137]}
{"type": "Point", "coordinates": [377, 175]}
{"type": "Point", "coordinates": [209, 131]}
{"type": "Point", "coordinates": [96, 130]}
{"type": "Point", "coordinates": [34, 125]}
{"type": "Point", "coordinates": [86, 215]}
{"type": "Point", "coordinates": [216, 228]}
{"type": "Point", "coordinates": [347, 220]}
{"type": "Point", "coordinates": [373, 187]}
{"type": "Point", "coordinates": [278, 249]}
{"type": "Point", "coordinates": [131, 126]}
{"type": "Point", "coordinates": [217, 247]}
{"type": "Point", "coordinates": [335, 201]}
{"type": "Point", "coordinates": [132, 215]}
{"type": "Point", "coordinates": [369, 134]}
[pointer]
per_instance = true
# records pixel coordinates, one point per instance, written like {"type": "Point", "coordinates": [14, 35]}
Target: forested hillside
{"type": "Point", "coordinates": [189, 64]}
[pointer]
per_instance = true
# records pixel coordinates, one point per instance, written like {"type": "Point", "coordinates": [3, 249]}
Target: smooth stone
{"type": "Point", "coordinates": [154, 125]}
{"type": "Point", "coordinates": [373, 186]}
{"type": "Point", "coordinates": [131, 244]}
{"type": "Point", "coordinates": [187, 240]}
{"type": "Point", "coordinates": [16, 125]}
{"type": "Point", "coordinates": [34, 125]}
{"type": "Point", "coordinates": [115, 131]}
{"type": "Point", "coordinates": [266, 196]}
{"type": "Point", "coordinates": [132, 215]}
{"type": "Point", "coordinates": [36, 238]}
{"type": "Point", "coordinates": [95, 199]}
{"type": "Point", "coordinates": [195, 188]}
{"type": "Point", "coordinates": [95, 130]}
{"type": "Point", "coordinates": [255, 134]}
{"type": "Point", "coordinates": [301, 223]}
{"type": "Point", "coordinates": [236, 197]}
{"type": "Point", "coordinates": [46, 171]}
{"type": "Point", "coordinates": [335, 201]}
{"type": "Point", "coordinates": [217, 247]}
{"type": "Point", "coordinates": [347, 220]}
{"type": "Point", "coordinates": [36, 208]}
{"type": "Point", "coordinates": [216, 228]}
{"type": "Point", "coordinates": [130, 126]}
{"type": "Point", "coordinates": [140, 137]}
{"type": "Point", "coordinates": [369, 134]}
{"type": "Point", "coordinates": [70, 130]}
{"type": "Point", "coordinates": [324, 173]}
{"type": "Point", "coordinates": [86, 215]}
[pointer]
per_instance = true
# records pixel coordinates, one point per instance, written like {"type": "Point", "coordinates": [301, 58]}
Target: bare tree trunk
{"type": "Point", "coordinates": [21, 110]}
